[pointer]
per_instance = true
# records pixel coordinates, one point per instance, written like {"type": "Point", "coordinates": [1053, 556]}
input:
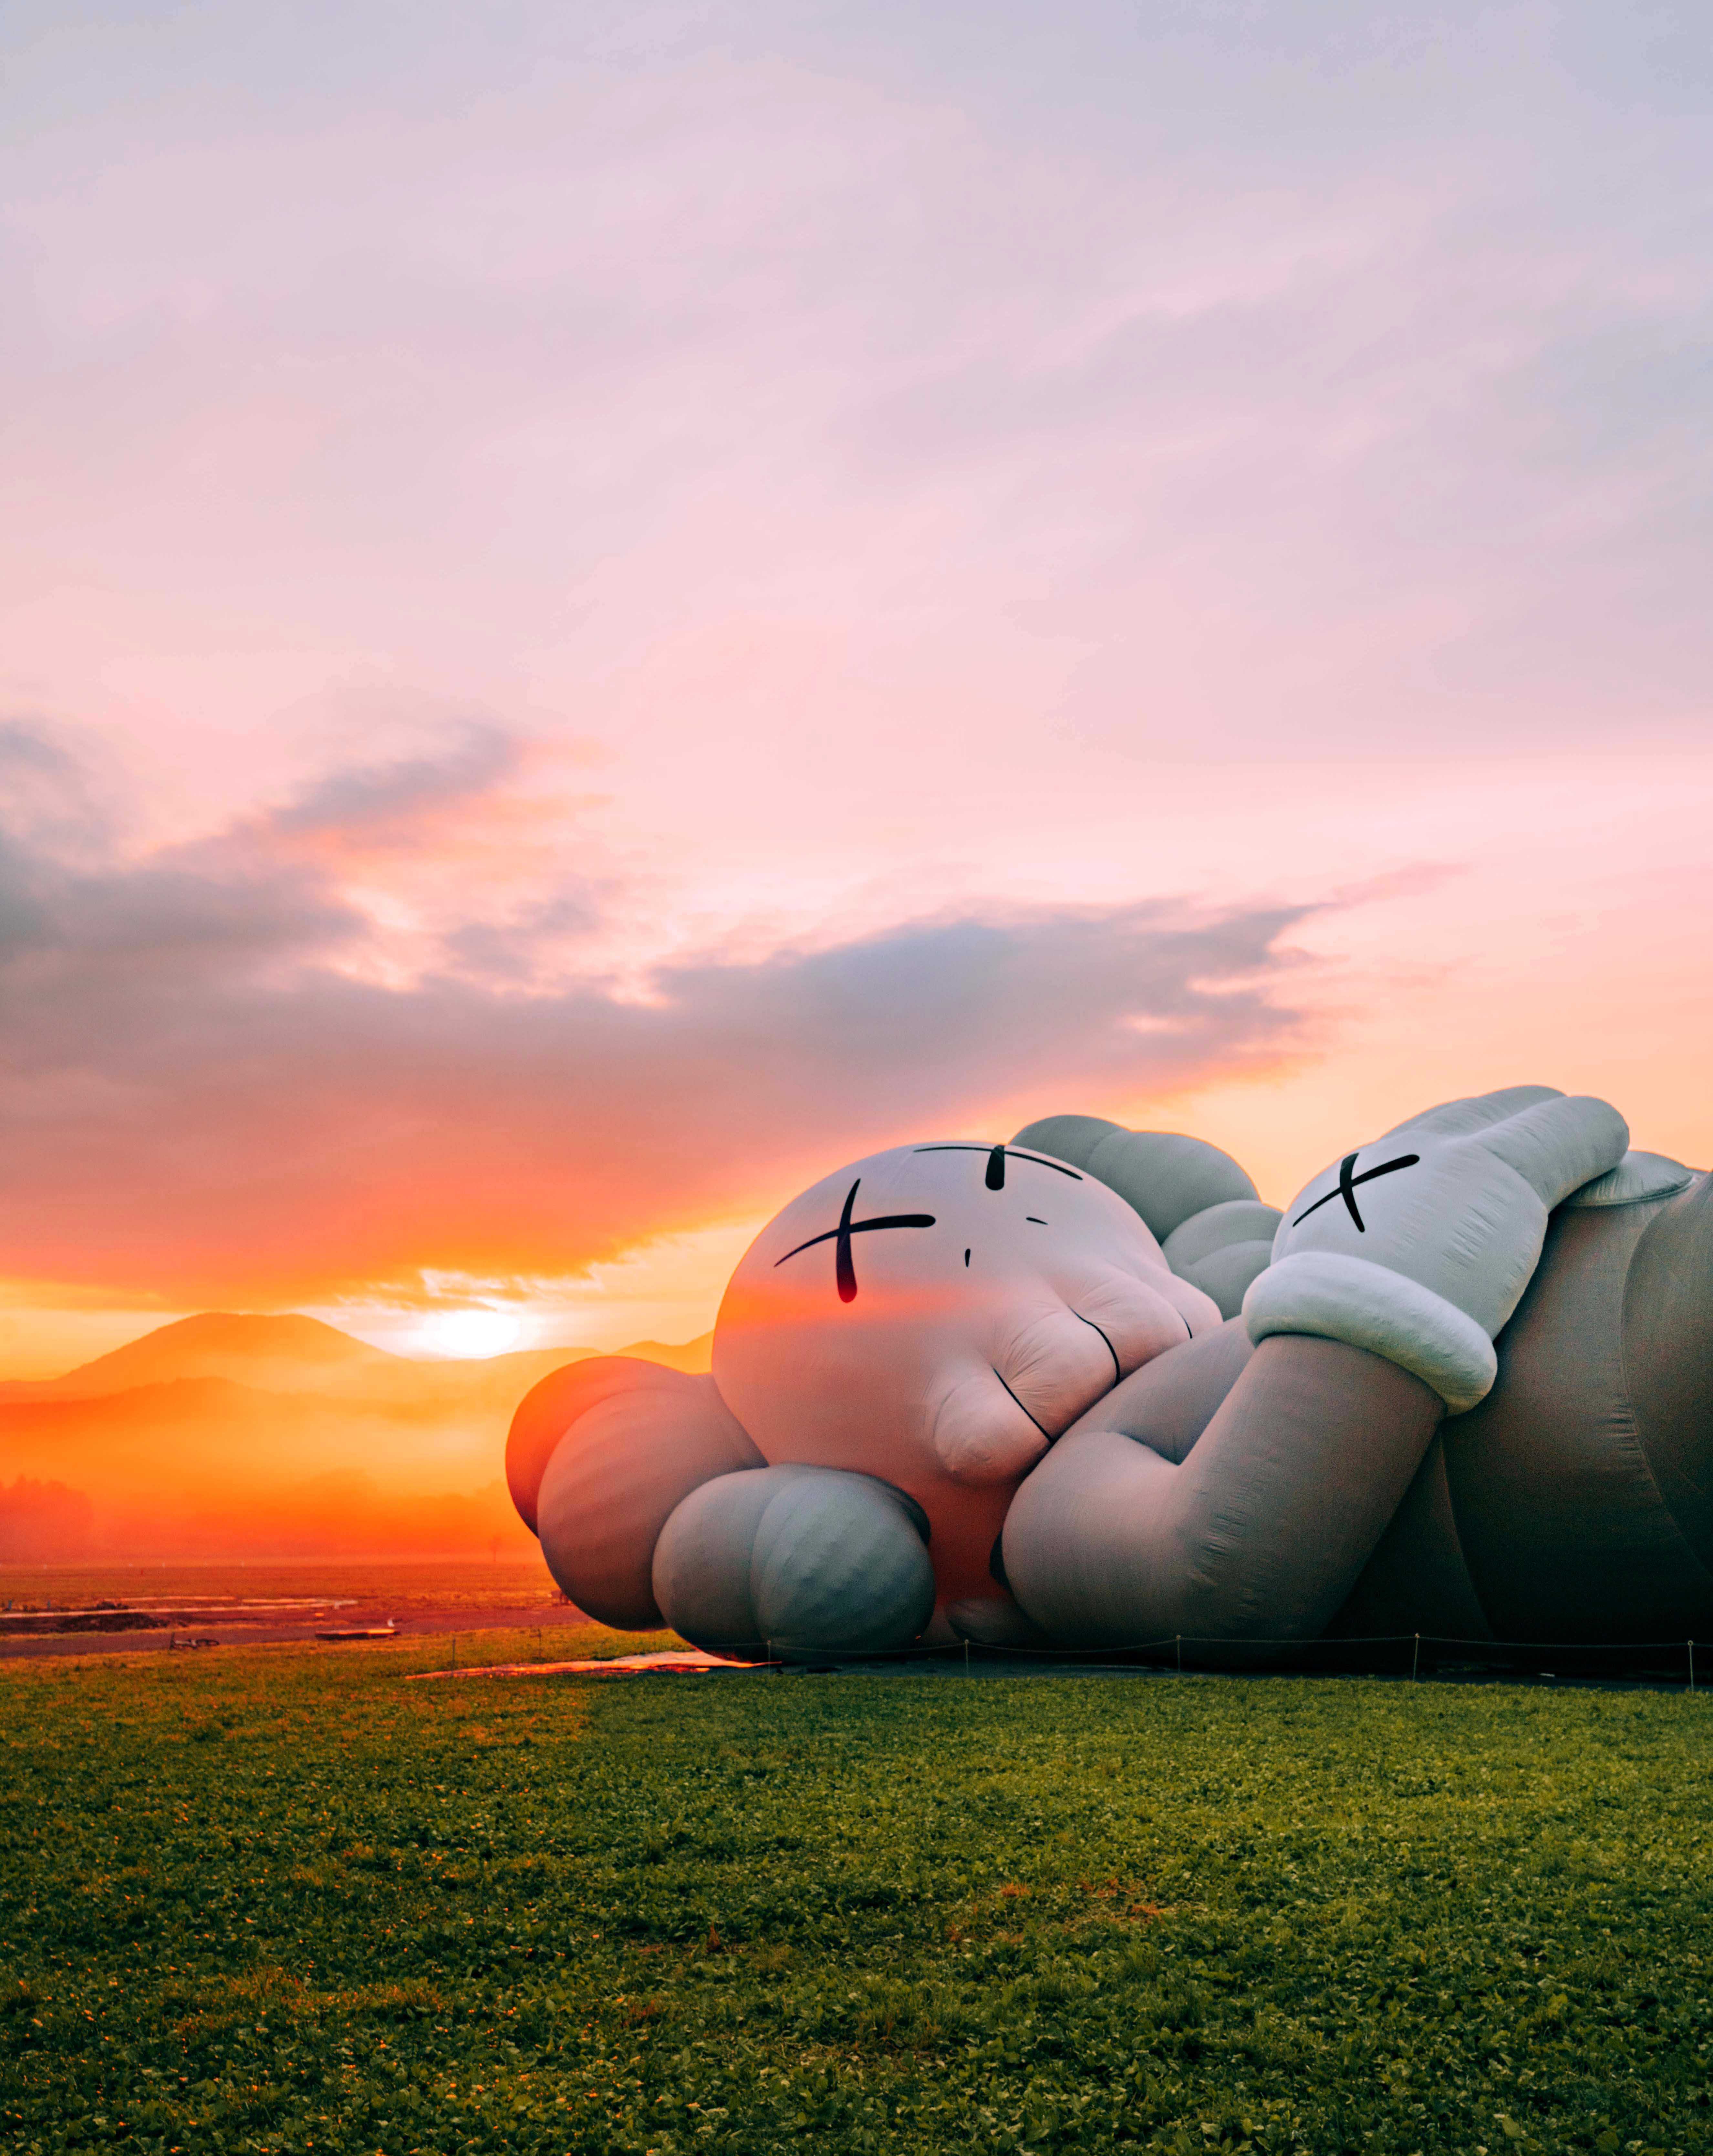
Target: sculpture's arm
{"type": "Point", "coordinates": [1259, 1535]}
{"type": "Point", "coordinates": [1392, 1272]}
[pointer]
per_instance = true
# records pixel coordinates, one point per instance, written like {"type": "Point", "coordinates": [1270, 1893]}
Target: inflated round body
{"type": "Point", "coordinates": [550, 1408]}
{"type": "Point", "coordinates": [963, 1388]}
{"type": "Point", "coordinates": [1576, 1503]}
{"type": "Point", "coordinates": [934, 1316]}
{"type": "Point", "coordinates": [1304, 1488]}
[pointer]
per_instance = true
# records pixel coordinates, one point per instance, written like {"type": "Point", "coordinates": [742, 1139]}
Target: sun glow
{"type": "Point", "coordinates": [467, 1333]}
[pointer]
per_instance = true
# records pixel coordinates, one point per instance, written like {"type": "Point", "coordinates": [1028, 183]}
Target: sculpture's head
{"type": "Point", "coordinates": [937, 1314]}
{"type": "Point", "coordinates": [931, 1317]}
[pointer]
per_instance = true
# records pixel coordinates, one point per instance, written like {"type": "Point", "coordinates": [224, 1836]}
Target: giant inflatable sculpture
{"type": "Point", "coordinates": [1085, 1389]}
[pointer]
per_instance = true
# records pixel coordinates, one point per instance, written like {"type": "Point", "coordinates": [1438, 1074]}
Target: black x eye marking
{"type": "Point", "coordinates": [843, 1271]}
{"type": "Point", "coordinates": [1346, 1187]}
{"type": "Point", "coordinates": [997, 1157]}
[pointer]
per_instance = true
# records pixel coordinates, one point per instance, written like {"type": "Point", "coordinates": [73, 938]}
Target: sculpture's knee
{"type": "Point", "coordinates": [799, 1560]}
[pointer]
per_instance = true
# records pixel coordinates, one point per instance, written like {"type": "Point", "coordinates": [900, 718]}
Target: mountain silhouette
{"type": "Point", "coordinates": [224, 1435]}
{"type": "Point", "coordinates": [250, 1350]}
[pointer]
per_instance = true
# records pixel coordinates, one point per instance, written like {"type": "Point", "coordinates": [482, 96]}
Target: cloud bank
{"type": "Point", "coordinates": [216, 1082]}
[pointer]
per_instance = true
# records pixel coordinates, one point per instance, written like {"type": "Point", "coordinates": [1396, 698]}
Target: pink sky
{"type": "Point", "coordinates": [604, 608]}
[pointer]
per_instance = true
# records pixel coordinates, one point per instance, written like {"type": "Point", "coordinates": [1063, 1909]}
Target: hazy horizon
{"type": "Point", "coordinates": [232, 1437]}
{"type": "Point", "coordinates": [474, 1353]}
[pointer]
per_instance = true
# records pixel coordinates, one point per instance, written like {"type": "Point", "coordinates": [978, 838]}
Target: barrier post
{"type": "Point", "coordinates": [1692, 1664]}
{"type": "Point", "coordinates": [1178, 1636]}
{"type": "Point", "coordinates": [1416, 1659]}
{"type": "Point", "coordinates": [966, 1657]}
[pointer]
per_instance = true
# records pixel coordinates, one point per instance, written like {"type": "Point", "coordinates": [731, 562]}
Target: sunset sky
{"type": "Point", "coordinates": [603, 607]}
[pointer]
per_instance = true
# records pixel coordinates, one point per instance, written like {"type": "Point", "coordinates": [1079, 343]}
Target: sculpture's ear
{"type": "Point", "coordinates": [1163, 1175]}
{"type": "Point", "coordinates": [1223, 1248]}
{"type": "Point", "coordinates": [619, 1444]}
{"type": "Point", "coordinates": [1072, 1139]}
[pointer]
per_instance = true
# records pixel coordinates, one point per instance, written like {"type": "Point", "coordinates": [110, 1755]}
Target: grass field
{"type": "Point", "coordinates": [280, 1900]}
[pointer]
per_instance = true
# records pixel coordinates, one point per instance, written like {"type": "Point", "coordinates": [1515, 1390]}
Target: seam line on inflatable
{"type": "Point", "coordinates": [1631, 1410]}
{"type": "Point", "coordinates": [1042, 1427]}
{"type": "Point", "coordinates": [1117, 1367]}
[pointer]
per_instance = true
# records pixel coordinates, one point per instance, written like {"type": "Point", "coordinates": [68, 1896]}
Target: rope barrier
{"type": "Point", "coordinates": [1177, 1641]}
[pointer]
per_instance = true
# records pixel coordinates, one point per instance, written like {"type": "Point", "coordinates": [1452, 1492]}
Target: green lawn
{"type": "Point", "coordinates": [279, 1899]}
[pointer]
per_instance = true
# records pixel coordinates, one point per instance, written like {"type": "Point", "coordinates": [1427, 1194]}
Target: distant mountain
{"type": "Point", "coordinates": [216, 1344]}
{"type": "Point", "coordinates": [228, 1435]}
{"type": "Point", "coordinates": [297, 1354]}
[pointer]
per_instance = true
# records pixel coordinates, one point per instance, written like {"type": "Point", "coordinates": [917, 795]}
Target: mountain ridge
{"type": "Point", "coordinates": [215, 1434]}
{"type": "Point", "coordinates": [293, 1353]}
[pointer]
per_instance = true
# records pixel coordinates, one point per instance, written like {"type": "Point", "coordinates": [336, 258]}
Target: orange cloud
{"type": "Point", "coordinates": [207, 1096]}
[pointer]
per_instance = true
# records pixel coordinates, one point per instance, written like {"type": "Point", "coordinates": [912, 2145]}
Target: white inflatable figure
{"type": "Point", "coordinates": [897, 1348]}
{"type": "Point", "coordinates": [935, 1315]}
{"type": "Point", "coordinates": [1005, 1391]}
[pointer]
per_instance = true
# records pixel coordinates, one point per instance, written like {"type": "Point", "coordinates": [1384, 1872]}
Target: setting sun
{"type": "Point", "coordinates": [467, 1333]}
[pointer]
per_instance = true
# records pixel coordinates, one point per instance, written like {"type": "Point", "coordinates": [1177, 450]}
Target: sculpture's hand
{"type": "Point", "coordinates": [1418, 1246]}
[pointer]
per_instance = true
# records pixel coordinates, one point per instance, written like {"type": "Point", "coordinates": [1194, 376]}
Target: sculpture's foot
{"type": "Point", "coordinates": [795, 1562]}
